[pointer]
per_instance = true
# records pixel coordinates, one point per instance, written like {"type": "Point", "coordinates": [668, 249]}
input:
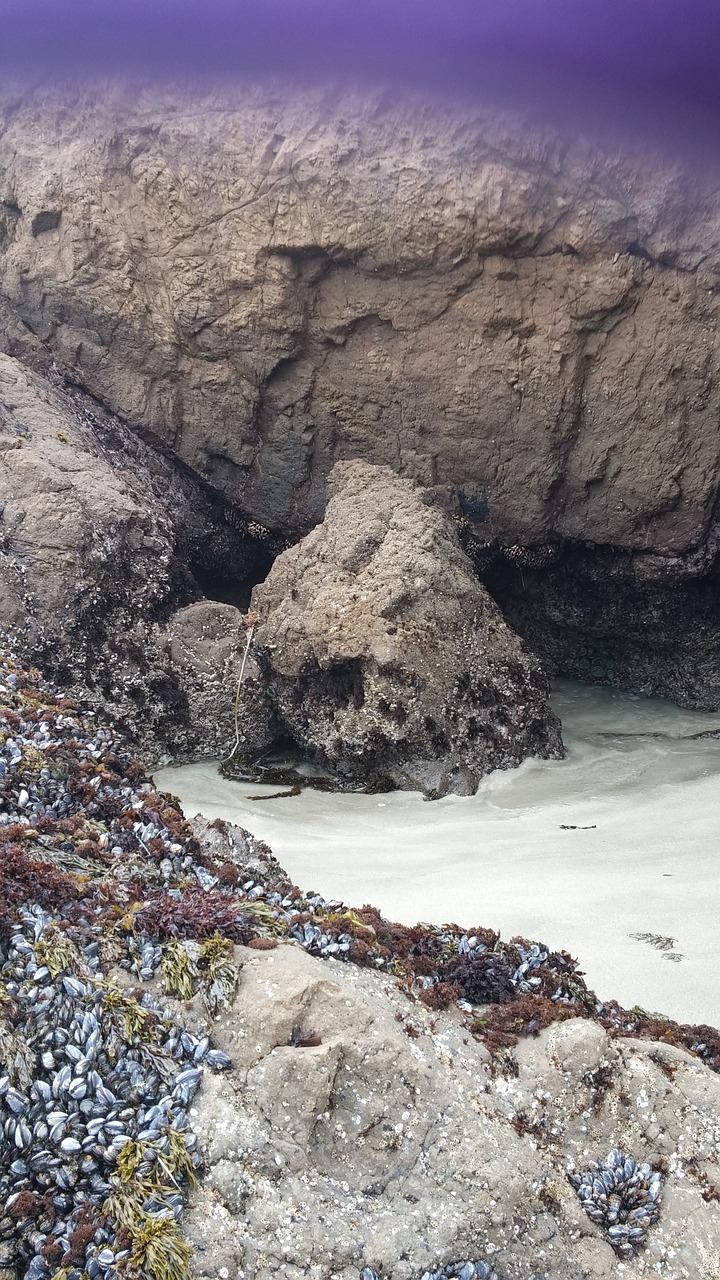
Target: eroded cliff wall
{"type": "Point", "coordinates": [268, 279]}
{"type": "Point", "coordinates": [272, 279]}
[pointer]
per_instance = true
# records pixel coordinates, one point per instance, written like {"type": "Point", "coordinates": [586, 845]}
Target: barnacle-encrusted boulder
{"type": "Point", "coordinates": [397, 1143]}
{"type": "Point", "coordinates": [205, 642]}
{"type": "Point", "coordinates": [381, 656]}
{"type": "Point", "coordinates": [100, 541]}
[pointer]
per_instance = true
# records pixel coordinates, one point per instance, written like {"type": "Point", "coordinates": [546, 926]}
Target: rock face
{"type": "Point", "coordinates": [99, 537]}
{"type": "Point", "coordinates": [641, 622]}
{"type": "Point", "coordinates": [392, 1144]}
{"type": "Point", "coordinates": [269, 280]}
{"type": "Point", "coordinates": [205, 643]}
{"type": "Point", "coordinates": [380, 655]}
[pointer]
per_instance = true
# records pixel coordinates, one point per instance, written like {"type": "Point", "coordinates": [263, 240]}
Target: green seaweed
{"type": "Point", "coordinates": [158, 1249]}
{"type": "Point", "coordinates": [219, 975]}
{"type": "Point", "coordinates": [178, 970]}
{"type": "Point", "coordinates": [16, 1055]}
{"type": "Point", "coordinates": [130, 1020]}
{"type": "Point", "coordinates": [54, 950]}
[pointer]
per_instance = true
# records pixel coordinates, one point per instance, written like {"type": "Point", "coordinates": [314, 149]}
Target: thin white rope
{"type": "Point", "coordinates": [248, 642]}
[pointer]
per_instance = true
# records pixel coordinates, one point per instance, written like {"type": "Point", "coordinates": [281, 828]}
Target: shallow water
{"type": "Point", "coordinates": [640, 852]}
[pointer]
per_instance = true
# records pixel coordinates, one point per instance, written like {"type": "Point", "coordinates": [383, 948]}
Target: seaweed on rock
{"type": "Point", "coordinates": [111, 1175]}
{"type": "Point", "coordinates": [196, 913]}
{"type": "Point", "coordinates": [483, 978]}
{"type": "Point", "coordinates": [99, 872]}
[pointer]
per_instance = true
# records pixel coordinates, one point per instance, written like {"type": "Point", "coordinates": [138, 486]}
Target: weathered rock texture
{"type": "Point", "coordinates": [393, 1145]}
{"type": "Point", "coordinates": [270, 279]}
{"type": "Point", "coordinates": [205, 643]}
{"type": "Point", "coordinates": [99, 538]}
{"type": "Point", "coordinates": [641, 622]}
{"type": "Point", "coordinates": [380, 655]}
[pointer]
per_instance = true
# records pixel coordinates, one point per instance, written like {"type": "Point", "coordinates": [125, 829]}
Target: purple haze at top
{"type": "Point", "coordinates": [652, 63]}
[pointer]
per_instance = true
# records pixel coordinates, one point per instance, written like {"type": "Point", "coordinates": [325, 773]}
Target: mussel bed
{"type": "Point", "coordinates": [106, 897]}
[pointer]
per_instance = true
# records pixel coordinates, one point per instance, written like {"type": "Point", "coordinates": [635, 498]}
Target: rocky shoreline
{"type": "Point", "coordinates": [139, 952]}
{"type": "Point", "coordinates": [377, 653]}
{"type": "Point", "coordinates": [333, 424]}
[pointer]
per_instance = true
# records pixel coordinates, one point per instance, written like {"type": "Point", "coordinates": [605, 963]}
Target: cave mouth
{"type": "Point", "coordinates": [232, 588]}
{"type": "Point", "coordinates": [225, 556]}
{"type": "Point", "coordinates": [594, 614]}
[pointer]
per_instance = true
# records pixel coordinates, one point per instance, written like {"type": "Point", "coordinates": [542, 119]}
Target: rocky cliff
{"type": "Point", "coordinates": [206, 302]}
{"type": "Point", "coordinates": [267, 280]}
{"type": "Point", "coordinates": [102, 539]}
{"type": "Point", "coordinates": [380, 655]}
{"type": "Point", "coordinates": [270, 280]}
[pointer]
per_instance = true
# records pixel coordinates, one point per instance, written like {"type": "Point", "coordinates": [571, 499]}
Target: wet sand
{"type": "Point", "coordinates": [640, 852]}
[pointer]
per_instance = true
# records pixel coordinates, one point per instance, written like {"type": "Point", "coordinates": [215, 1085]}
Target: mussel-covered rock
{"type": "Point", "coordinates": [621, 1196]}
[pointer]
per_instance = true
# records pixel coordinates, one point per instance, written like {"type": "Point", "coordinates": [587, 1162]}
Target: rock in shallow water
{"type": "Point", "coordinates": [381, 656]}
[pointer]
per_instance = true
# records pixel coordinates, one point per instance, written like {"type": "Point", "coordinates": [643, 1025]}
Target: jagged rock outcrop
{"type": "Point", "coordinates": [392, 1144]}
{"type": "Point", "coordinates": [353, 1123]}
{"type": "Point", "coordinates": [99, 538]}
{"type": "Point", "coordinates": [380, 655]}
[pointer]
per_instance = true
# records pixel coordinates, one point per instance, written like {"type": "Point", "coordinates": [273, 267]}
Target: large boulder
{"type": "Point", "coordinates": [394, 1142]}
{"type": "Point", "coordinates": [205, 642]}
{"type": "Point", "coordinates": [380, 655]}
{"type": "Point", "coordinates": [268, 279]}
